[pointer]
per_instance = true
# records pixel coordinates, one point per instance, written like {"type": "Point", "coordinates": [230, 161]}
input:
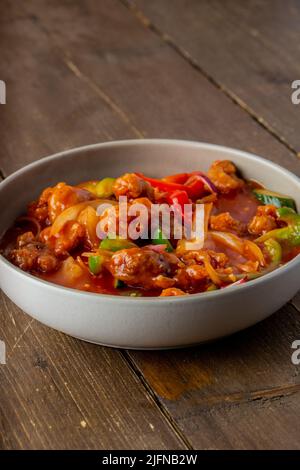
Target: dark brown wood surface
{"type": "Point", "coordinates": [248, 49]}
{"type": "Point", "coordinates": [81, 72]}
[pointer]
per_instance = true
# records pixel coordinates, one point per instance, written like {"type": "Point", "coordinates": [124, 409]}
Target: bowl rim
{"type": "Point", "coordinates": [186, 298]}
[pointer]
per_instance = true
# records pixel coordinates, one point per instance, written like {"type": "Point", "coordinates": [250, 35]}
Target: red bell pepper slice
{"type": "Point", "coordinates": [179, 197]}
{"type": "Point", "coordinates": [194, 185]}
{"type": "Point", "coordinates": [179, 178]}
{"type": "Point", "coordinates": [162, 185]}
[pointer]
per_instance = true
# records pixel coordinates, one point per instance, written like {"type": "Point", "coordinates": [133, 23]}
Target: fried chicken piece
{"type": "Point", "coordinates": [33, 255]}
{"type": "Point", "coordinates": [223, 174]}
{"type": "Point", "coordinates": [25, 238]}
{"type": "Point", "coordinates": [55, 200]}
{"type": "Point", "coordinates": [39, 209]}
{"type": "Point", "coordinates": [263, 221]}
{"type": "Point", "coordinates": [218, 260]}
{"type": "Point", "coordinates": [132, 186]}
{"type": "Point", "coordinates": [226, 223]}
{"type": "Point", "coordinates": [191, 277]}
{"type": "Point", "coordinates": [143, 267]}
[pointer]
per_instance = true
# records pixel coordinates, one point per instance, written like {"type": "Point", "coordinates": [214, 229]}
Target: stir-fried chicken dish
{"type": "Point", "coordinates": [248, 231]}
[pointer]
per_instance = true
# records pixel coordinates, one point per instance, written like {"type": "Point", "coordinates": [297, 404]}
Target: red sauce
{"type": "Point", "coordinates": [241, 206]}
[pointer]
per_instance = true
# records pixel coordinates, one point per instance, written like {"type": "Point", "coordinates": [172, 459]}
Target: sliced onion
{"type": "Point", "coordinates": [243, 247]}
{"type": "Point", "coordinates": [255, 251]}
{"type": "Point", "coordinates": [230, 240]}
{"type": "Point", "coordinates": [208, 183]}
{"type": "Point", "coordinates": [71, 213]}
{"type": "Point", "coordinates": [89, 219]}
{"type": "Point", "coordinates": [71, 270]}
{"type": "Point", "coordinates": [211, 271]}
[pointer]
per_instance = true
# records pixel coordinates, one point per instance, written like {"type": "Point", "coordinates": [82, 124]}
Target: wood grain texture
{"type": "Point", "coordinates": [249, 49]}
{"type": "Point", "coordinates": [49, 108]}
{"type": "Point", "coordinates": [80, 72]}
{"type": "Point", "coordinates": [62, 393]}
{"type": "Point", "coordinates": [241, 392]}
{"type": "Point", "coordinates": [147, 79]}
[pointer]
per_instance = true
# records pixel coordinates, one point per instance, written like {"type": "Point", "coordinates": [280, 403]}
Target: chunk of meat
{"type": "Point", "coordinates": [172, 291]}
{"type": "Point", "coordinates": [39, 209]}
{"type": "Point", "coordinates": [268, 209]}
{"type": "Point", "coordinates": [24, 239]}
{"type": "Point", "coordinates": [143, 267]}
{"type": "Point", "coordinates": [226, 223]}
{"type": "Point", "coordinates": [72, 234]}
{"type": "Point", "coordinates": [218, 260]}
{"type": "Point", "coordinates": [55, 200]}
{"type": "Point", "coordinates": [263, 221]}
{"type": "Point", "coordinates": [33, 256]}
{"type": "Point", "coordinates": [223, 174]}
{"type": "Point", "coordinates": [132, 186]}
{"type": "Point", "coordinates": [191, 277]}
{"type": "Point", "coordinates": [64, 196]}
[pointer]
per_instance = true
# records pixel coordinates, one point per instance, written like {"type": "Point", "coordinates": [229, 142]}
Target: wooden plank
{"type": "Point", "coordinates": [242, 392]}
{"type": "Point", "coordinates": [255, 425]}
{"type": "Point", "coordinates": [162, 93]}
{"type": "Point", "coordinates": [49, 108]}
{"type": "Point", "coordinates": [62, 393]}
{"type": "Point", "coordinates": [249, 49]}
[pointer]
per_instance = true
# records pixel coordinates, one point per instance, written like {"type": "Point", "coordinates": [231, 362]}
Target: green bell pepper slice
{"type": "Point", "coordinates": [116, 244]}
{"type": "Point", "coordinates": [104, 189]}
{"type": "Point", "coordinates": [274, 249]}
{"type": "Point", "coordinates": [160, 239]}
{"type": "Point", "coordinates": [96, 264]}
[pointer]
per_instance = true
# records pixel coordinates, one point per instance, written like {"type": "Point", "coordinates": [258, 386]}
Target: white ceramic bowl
{"type": "Point", "coordinates": [140, 323]}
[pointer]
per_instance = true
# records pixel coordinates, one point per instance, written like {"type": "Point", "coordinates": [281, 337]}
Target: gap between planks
{"type": "Point", "coordinates": [167, 39]}
{"type": "Point", "coordinates": [163, 410]}
{"type": "Point", "coordinates": [104, 96]}
{"type": "Point", "coordinates": [238, 398]}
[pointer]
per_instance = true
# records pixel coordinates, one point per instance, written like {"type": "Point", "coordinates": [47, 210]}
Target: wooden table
{"type": "Point", "coordinates": [80, 72]}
